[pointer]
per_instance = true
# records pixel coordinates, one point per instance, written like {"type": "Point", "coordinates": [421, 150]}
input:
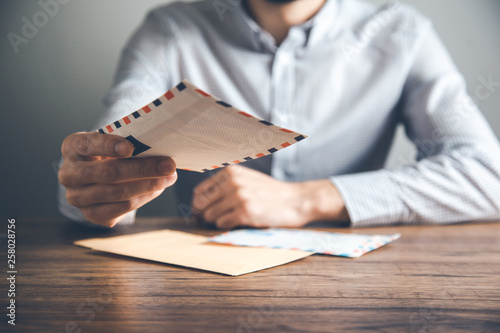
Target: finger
{"type": "Point", "coordinates": [217, 180]}
{"type": "Point", "coordinates": [108, 214]}
{"type": "Point", "coordinates": [213, 189]}
{"type": "Point", "coordinates": [114, 171]}
{"type": "Point", "coordinates": [81, 145]}
{"type": "Point", "coordinates": [220, 208]}
{"type": "Point", "coordinates": [203, 200]}
{"type": "Point", "coordinates": [109, 193]}
{"type": "Point", "coordinates": [230, 220]}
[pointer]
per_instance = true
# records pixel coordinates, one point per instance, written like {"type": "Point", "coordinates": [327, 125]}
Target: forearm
{"type": "Point", "coordinates": [456, 186]}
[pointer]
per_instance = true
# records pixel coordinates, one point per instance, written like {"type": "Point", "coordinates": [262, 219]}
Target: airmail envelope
{"type": "Point", "coordinates": [199, 131]}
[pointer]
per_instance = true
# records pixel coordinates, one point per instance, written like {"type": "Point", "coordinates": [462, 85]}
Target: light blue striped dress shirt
{"type": "Point", "coordinates": [346, 78]}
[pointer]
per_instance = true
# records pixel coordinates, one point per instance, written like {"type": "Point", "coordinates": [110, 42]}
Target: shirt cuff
{"type": "Point", "coordinates": [371, 199]}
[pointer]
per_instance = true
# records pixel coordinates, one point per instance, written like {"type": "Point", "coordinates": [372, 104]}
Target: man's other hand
{"type": "Point", "coordinates": [103, 183]}
{"type": "Point", "coordinates": [238, 196]}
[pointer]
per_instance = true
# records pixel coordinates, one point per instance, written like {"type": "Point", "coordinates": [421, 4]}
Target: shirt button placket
{"type": "Point", "coordinates": [283, 107]}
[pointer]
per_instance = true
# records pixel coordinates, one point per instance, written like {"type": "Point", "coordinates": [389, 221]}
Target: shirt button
{"type": "Point", "coordinates": [284, 57]}
{"type": "Point", "coordinates": [281, 118]}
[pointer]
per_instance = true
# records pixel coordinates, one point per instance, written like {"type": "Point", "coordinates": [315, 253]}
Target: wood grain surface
{"type": "Point", "coordinates": [433, 279]}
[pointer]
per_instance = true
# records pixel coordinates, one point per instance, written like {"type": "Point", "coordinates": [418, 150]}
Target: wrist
{"type": "Point", "coordinates": [322, 202]}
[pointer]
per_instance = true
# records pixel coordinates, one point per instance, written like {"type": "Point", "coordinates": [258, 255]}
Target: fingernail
{"type": "Point", "coordinates": [168, 180]}
{"type": "Point", "coordinates": [172, 177]}
{"type": "Point", "coordinates": [165, 167]}
{"type": "Point", "coordinates": [122, 149]}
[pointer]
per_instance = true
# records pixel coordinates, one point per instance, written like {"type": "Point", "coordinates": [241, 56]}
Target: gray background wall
{"type": "Point", "coordinates": [54, 85]}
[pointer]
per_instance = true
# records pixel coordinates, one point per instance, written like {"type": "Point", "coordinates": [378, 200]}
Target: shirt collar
{"type": "Point", "coordinates": [305, 35]}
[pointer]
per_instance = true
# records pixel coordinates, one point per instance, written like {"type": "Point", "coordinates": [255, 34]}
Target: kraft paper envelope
{"type": "Point", "coordinates": [188, 250]}
{"type": "Point", "coordinates": [199, 131]}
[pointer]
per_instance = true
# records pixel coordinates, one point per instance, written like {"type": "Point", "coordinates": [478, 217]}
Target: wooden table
{"type": "Point", "coordinates": [434, 279]}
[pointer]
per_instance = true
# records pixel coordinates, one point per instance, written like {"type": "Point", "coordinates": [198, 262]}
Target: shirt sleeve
{"type": "Point", "coordinates": [456, 176]}
{"type": "Point", "coordinates": [142, 76]}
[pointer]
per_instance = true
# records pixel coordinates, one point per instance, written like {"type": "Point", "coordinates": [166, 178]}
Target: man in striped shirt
{"type": "Point", "coordinates": [341, 71]}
